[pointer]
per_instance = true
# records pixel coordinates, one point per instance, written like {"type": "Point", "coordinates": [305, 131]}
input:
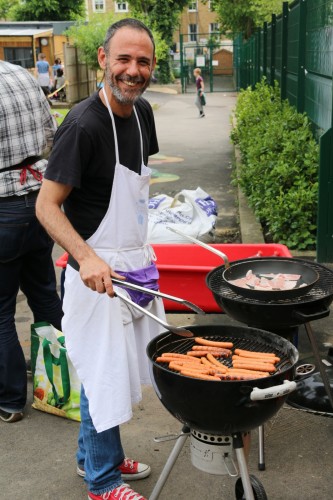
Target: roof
{"type": "Point", "coordinates": [30, 28]}
{"type": "Point", "coordinates": [24, 31]}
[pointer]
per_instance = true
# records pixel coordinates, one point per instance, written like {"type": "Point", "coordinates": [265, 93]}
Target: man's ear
{"type": "Point", "coordinates": [101, 57]}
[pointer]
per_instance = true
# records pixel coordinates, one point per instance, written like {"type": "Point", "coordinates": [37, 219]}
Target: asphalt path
{"type": "Point", "coordinates": [37, 455]}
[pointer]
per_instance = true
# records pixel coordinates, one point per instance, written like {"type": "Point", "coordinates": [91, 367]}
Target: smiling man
{"type": "Point", "coordinates": [97, 171]}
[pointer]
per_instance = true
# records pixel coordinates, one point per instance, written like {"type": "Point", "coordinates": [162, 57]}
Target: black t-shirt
{"type": "Point", "coordinates": [83, 156]}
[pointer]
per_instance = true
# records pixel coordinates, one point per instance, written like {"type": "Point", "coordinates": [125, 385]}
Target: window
{"type": "Point", "coordinates": [121, 7]}
{"type": "Point", "coordinates": [99, 5]}
{"type": "Point", "coordinates": [192, 32]}
{"type": "Point", "coordinates": [214, 28]}
{"type": "Point", "coordinates": [192, 7]}
{"type": "Point", "coordinates": [19, 55]}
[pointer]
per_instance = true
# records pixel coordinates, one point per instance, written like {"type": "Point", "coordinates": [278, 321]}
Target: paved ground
{"type": "Point", "coordinates": [37, 454]}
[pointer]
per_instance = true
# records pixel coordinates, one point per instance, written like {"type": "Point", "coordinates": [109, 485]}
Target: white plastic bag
{"type": "Point", "coordinates": [195, 216]}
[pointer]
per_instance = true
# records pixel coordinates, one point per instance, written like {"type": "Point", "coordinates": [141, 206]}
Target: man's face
{"type": "Point", "coordinates": [128, 65]}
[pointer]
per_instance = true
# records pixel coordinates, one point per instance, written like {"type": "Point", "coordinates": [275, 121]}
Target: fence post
{"type": "Point", "coordinates": [257, 55]}
{"type": "Point", "coordinates": [273, 48]}
{"type": "Point", "coordinates": [264, 51]}
{"type": "Point", "coordinates": [301, 57]}
{"type": "Point", "coordinates": [284, 50]}
{"type": "Point", "coordinates": [211, 55]}
{"type": "Point", "coordinates": [182, 76]}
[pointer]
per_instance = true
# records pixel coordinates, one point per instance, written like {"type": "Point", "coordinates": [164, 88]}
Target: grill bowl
{"type": "Point", "coordinates": [220, 407]}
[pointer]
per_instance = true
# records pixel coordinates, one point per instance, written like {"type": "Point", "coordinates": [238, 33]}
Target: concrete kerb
{"type": "Point", "coordinates": [250, 227]}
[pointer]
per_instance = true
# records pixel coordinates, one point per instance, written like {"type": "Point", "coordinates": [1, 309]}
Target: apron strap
{"type": "Point", "coordinates": [115, 131]}
{"type": "Point", "coordinates": [141, 143]}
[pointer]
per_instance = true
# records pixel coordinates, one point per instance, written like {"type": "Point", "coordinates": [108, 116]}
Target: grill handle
{"type": "Point", "coordinates": [312, 316]}
{"type": "Point", "coordinates": [274, 392]}
{"type": "Point", "coordinates": [202, 244]}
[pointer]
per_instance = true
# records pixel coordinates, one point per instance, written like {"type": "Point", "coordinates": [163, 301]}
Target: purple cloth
{"type": "Point", "coordinates": [148, 278]}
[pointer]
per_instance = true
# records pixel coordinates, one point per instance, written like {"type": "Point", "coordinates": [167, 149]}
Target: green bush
{"type": "Point", "coordinates": [279, 167]}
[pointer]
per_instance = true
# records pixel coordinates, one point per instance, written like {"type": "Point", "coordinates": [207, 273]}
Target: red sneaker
{"type": "Point", "coordinates": [130, 470]}
{"type": "Point", "coordinates": [123, 492]}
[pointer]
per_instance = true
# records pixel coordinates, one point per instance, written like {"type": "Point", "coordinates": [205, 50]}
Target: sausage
{"type": "Point", "coordinates": [200, 375]}
{"type": "Point", "coordinates": [238, 376]}
{"type": "Point", "coordinates": [217, 369]}
{"type": "Point", "coordinates": [213, 343]}
{"type": "Point", "coordinates": [167, 359]}
{"type": "Point", "coordinates": [181, 362]}
{"type": "Point", "coordinates": [252, 362]}
{"type": "Point", "coordinates": [176, 355]}
{"type": "Point", "coordinates": [247, 371]}
{"type": "Point", "coordinates": [256, 354]}
{"type": "Point", "coordinates": [224, 352]}
{"type": "Point", "coordinates": [199, 354]}
{"type": "Point", "coordinates": [204, 370]}
{"type": "Point", "coordinates": [260, 359]}
{"type": "Point", "coordinates": [214, 361]}
{"type": "Point", "coordinates": [263, 367]}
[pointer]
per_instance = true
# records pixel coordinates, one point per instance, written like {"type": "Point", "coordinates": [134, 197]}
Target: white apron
{"type": "Point", "coordinates": [105, 339]}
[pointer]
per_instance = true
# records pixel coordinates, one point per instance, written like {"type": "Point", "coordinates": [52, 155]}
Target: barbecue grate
{"type": "Point", "coordinates": [182, 346]}
{"type": "Point", "coordinates": [323, 288]}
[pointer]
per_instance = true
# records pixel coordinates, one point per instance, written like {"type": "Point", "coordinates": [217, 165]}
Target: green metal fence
{"type": "Point", "coordinates": [215, 59]}
{"type": "Point", "coordinates": [296, 49]}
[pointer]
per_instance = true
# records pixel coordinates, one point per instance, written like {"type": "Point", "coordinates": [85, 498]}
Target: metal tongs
{"type": "Point", "coordinates": [187, 303]}
{"type": "Point", "coordinates": [177, 330]}
{"type": "Point", "coordinates": [202, 244]}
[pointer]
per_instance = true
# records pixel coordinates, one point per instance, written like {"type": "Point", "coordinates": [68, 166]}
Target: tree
{"type": "Point", "coordinates": [48, 10]}
{"type": "Point", "coordinates": [88, 36]}
{"type": "Point", "coordinates": [162, 16]}
{"type": "Point", "coordinates": [6, 7]}
{"type": "Point", "coordinates": [243, 16]}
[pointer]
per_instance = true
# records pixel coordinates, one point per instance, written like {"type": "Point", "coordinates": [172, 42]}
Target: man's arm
{"type": "Point", "coordinates": [94, 271]}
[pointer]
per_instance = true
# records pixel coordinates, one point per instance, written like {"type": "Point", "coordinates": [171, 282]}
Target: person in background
{"type": "Point", "coordinates": [97, 171]}
{"type": "Point", "coordinates": [43, 73]}
{"type": "Point", "coordinates": [57, 65]}
{"type": "Point", "coordinates": [60, 79]}
{"type": "Point", "coordinates": [200, 98]}
{"type": "Point", "coordinates": [26, 133]}
{"type": "Point", "coordinates": [59, 84]}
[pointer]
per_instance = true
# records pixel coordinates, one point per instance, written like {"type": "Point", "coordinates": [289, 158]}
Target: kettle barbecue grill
{"type": "Point", "coordinates": [216, 414]}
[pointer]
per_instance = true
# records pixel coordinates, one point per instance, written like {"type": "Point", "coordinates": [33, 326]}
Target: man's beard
{"type": "Point", "coordinates": [129, 96]}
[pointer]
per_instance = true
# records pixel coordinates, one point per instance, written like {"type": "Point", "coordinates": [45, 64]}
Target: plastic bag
{"type": "Point", "coordinates": [56, 387]}
{"type": "Point", "coordinates": [195, 216]}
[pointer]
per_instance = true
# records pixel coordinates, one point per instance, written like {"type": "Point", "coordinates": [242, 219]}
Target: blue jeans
{"type": "Point", "coordinates": [99, 453]}
{"type": "Point", "coordinates": [25, 263]}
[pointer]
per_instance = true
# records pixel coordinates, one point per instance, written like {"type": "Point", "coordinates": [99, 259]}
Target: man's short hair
{"type": "Point", "coordinates": [129, 23]}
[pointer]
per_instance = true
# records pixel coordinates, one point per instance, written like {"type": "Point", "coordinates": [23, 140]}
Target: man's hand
{"type": "Point", "coordinates": [97, 275]}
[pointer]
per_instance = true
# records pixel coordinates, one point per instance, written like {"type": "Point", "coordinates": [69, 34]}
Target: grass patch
{"type": "Point", "coordinates": [59, 114]}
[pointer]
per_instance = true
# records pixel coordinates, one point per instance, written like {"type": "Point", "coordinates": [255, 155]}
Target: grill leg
{"type": "Point", "coordinates": [321, 367]}
{"type": "Point", "coordinates": [242, 464]}
{"type": "Point", "coordinates": [170, 463]}
{"type": "Point", "coordinates": [261, 450]}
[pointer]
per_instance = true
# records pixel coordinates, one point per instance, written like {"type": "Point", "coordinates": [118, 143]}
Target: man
{"type": "Point", "coordinates": [97, 172]}
{"type": "Point", "coordinates": [26, 133]}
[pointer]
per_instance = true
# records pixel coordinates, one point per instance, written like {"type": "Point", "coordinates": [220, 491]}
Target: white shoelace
{"type": "Point", "coordinates": [125, 493]}
{"type": "Point", "coordinates": [128, 462]}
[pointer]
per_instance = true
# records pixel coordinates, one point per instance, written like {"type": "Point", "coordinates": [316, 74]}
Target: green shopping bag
{"type": "Point", "coordinates": [56, 387]}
